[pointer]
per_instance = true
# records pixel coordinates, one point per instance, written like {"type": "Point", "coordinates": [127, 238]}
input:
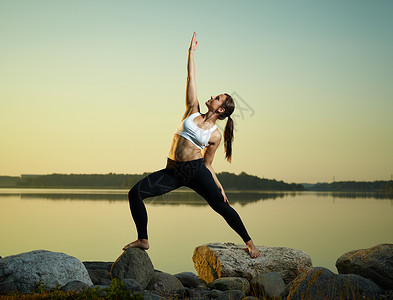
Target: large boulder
{"type": "Point", "coordinates": [49, 269]}
{"type": "Point", "coordinates": [164, 284]}
{"type": "Point", "coordinates": [217, 260]}
{"type": "Point", "coordinates": [134, 263]}
{"type": "Point", "coordinates": [375, 263]}
{"type": "Point", "coordinates": [321, 283]}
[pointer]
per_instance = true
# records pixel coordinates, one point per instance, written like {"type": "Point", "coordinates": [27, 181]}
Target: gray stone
{"type": "Point", "coordinates": [8, 287]}
{"type": "Point", "coordinates": [49, 269]}
{"type": "Point", "coordinates": [268, 285]}
{"type": "Point", "coordinates": [232, 295]}
{"type": "Point", "coordinates": [231, 283]}
{"type": "Point", "coordinates": [132, 285]}
{"type": "Point", "coordinates": [217, 260]}
{"type": "Point", "coordinates": [75, 286]}
{"type": "Point", "coordinates": [99, 272]}
{"type": "Point", "coordinates": [184, 293]}
{"type": "Point", "coordinates": [214, 294]}
{"type": "Point", "coordinates": [134, 263]}
{"type": "Point", "coordinates": [321, 283]}
{"type": "Point", "coordinates": [188, 279]}
{"type": "Point", "coordinates": [375, 263]}
{"type": "Point", "coordinates": [150, 296]}
{"type": "Point", "coordinates": [201, 293]}
{"type": "Point", "coordinates": [164, 284]}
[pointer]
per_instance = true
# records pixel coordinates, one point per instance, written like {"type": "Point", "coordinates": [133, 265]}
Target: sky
{"type": "Point", "coordinates": [99, 86]}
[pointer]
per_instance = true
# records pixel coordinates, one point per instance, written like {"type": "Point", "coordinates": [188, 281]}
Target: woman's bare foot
{"type": "Point", "coordinates": [140, 243]}
{"type": "Point", "coordinates": [254, 252]}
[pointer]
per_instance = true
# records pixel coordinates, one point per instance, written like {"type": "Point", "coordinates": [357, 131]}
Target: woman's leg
{"type": "Point", "coordinates": [204, 184]}
{"type": "Point", "coordinates": [155, 184]}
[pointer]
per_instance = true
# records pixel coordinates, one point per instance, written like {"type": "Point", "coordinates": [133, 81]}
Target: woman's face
{"type": "Point", "coordinates": [216, 102]}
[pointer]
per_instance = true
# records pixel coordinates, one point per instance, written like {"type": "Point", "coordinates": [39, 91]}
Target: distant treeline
{"type": "Point", "coordinates": [8, 181]}
{"type": "Point", "coordinates": [363, 186]}
{"type": "Point", "coordinates": [230, 181]}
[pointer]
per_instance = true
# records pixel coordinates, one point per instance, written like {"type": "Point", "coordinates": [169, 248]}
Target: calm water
{"type": "Point", "coordinates": [96, 224]}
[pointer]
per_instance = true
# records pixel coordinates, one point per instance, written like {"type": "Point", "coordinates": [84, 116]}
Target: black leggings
{"type": "Point", "coordinates": [192, 174]}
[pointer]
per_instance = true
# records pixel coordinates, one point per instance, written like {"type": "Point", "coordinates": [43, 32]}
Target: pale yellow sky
{"type": "Point", "coordinates": [98, 87]}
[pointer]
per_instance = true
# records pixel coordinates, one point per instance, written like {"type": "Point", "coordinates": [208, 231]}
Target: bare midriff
{"type": "Point", "coordinates": [183, 150]}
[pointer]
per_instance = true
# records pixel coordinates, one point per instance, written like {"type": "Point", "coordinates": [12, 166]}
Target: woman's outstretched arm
{"type": "Point", "coordinates": [191, 92]}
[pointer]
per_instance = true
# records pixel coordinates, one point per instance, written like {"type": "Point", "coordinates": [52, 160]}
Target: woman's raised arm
{"type": "Point", "coordinates": [191, 92]}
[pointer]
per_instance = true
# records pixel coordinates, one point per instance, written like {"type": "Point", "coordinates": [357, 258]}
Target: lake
{"type": "Point", "coordinates": [94, 225]}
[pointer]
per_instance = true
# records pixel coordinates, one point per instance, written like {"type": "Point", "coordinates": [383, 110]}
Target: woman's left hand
{"type": "Point", "coordinates": [225, 196]}
{"type": "Point", "coordinates": [194, 43]}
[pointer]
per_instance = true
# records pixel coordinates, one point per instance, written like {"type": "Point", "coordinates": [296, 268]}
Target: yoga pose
{"type": "Point", "coordinates": [190, 160]}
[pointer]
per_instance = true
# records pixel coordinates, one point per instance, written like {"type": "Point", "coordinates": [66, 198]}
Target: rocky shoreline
{"type": "Point", "coordinates": [225, 271]}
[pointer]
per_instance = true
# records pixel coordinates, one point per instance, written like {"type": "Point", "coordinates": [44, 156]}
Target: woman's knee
{"type": "Point", "coordinates": [133, 193]}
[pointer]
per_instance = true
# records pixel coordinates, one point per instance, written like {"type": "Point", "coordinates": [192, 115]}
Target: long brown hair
{"type": "Point", "coordinates": [229, 106]}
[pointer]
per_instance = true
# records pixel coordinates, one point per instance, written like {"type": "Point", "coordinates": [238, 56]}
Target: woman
{"type": "Point", "coordinates": [190, 161]}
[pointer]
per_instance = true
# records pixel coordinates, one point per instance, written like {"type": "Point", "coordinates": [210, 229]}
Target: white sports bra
{"type": "Point", "coordinates": [196, 135]}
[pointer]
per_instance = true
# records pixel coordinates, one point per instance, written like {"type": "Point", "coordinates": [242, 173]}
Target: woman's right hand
{"type": "Point", "coordinates": [194, 43]}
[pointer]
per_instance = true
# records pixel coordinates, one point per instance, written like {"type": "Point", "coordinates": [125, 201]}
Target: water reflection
{"type": "Point", "coordinates": [354, 195]}
{"type": "Point", "coordinates": [172, 198]}
{"type": "Point", "coordinates": [181, 197]}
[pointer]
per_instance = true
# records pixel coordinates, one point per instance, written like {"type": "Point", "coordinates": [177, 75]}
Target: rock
{"type": "Point", "coordinates": [132, 285]}
{"type": "Point", "coordinates": [375, 263]}
{"type": "Point", "coordinates": [214, 294]}
{"type": "Point", "coordinates": [201, 292]}
{"type": "Point", "coordinates": [150, 296]}
{"type": "Point", "coordinates": [184, 293]}
{"type": "Point", "coordinates": [188, 279]}
{"type": "Point", "coordinates": [230, 283]}
{"type": "Point", "coordinates": [99, 272]}
{"type": "Point", "coordinates": [268, 285]}
{"type": "Point", "coordinates": [321, 283]}
{"type": "Point", "coordinates": [232, 295]}
{"type": "Point", "coordinates": [50, 269]}
{"type": "Point", "coordinates": [75, 286]}
{"type": "Point", "coordinates": [7, 287]}
{"type": "Point", "coordinates": [134, 263]}
{"type": "Point", "coordinates": [217, 260]}
{"type": "Point", "coordinates": [164, 284]}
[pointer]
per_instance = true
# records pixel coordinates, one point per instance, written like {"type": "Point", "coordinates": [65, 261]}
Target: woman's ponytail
{"type": "Point", "coordinates": [228, 139]}
{"type": "Point", "coordinates": [229, 106]}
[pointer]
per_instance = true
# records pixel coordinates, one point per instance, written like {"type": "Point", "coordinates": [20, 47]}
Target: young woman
{"type": "Point", "coordinates": [190, 161]}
